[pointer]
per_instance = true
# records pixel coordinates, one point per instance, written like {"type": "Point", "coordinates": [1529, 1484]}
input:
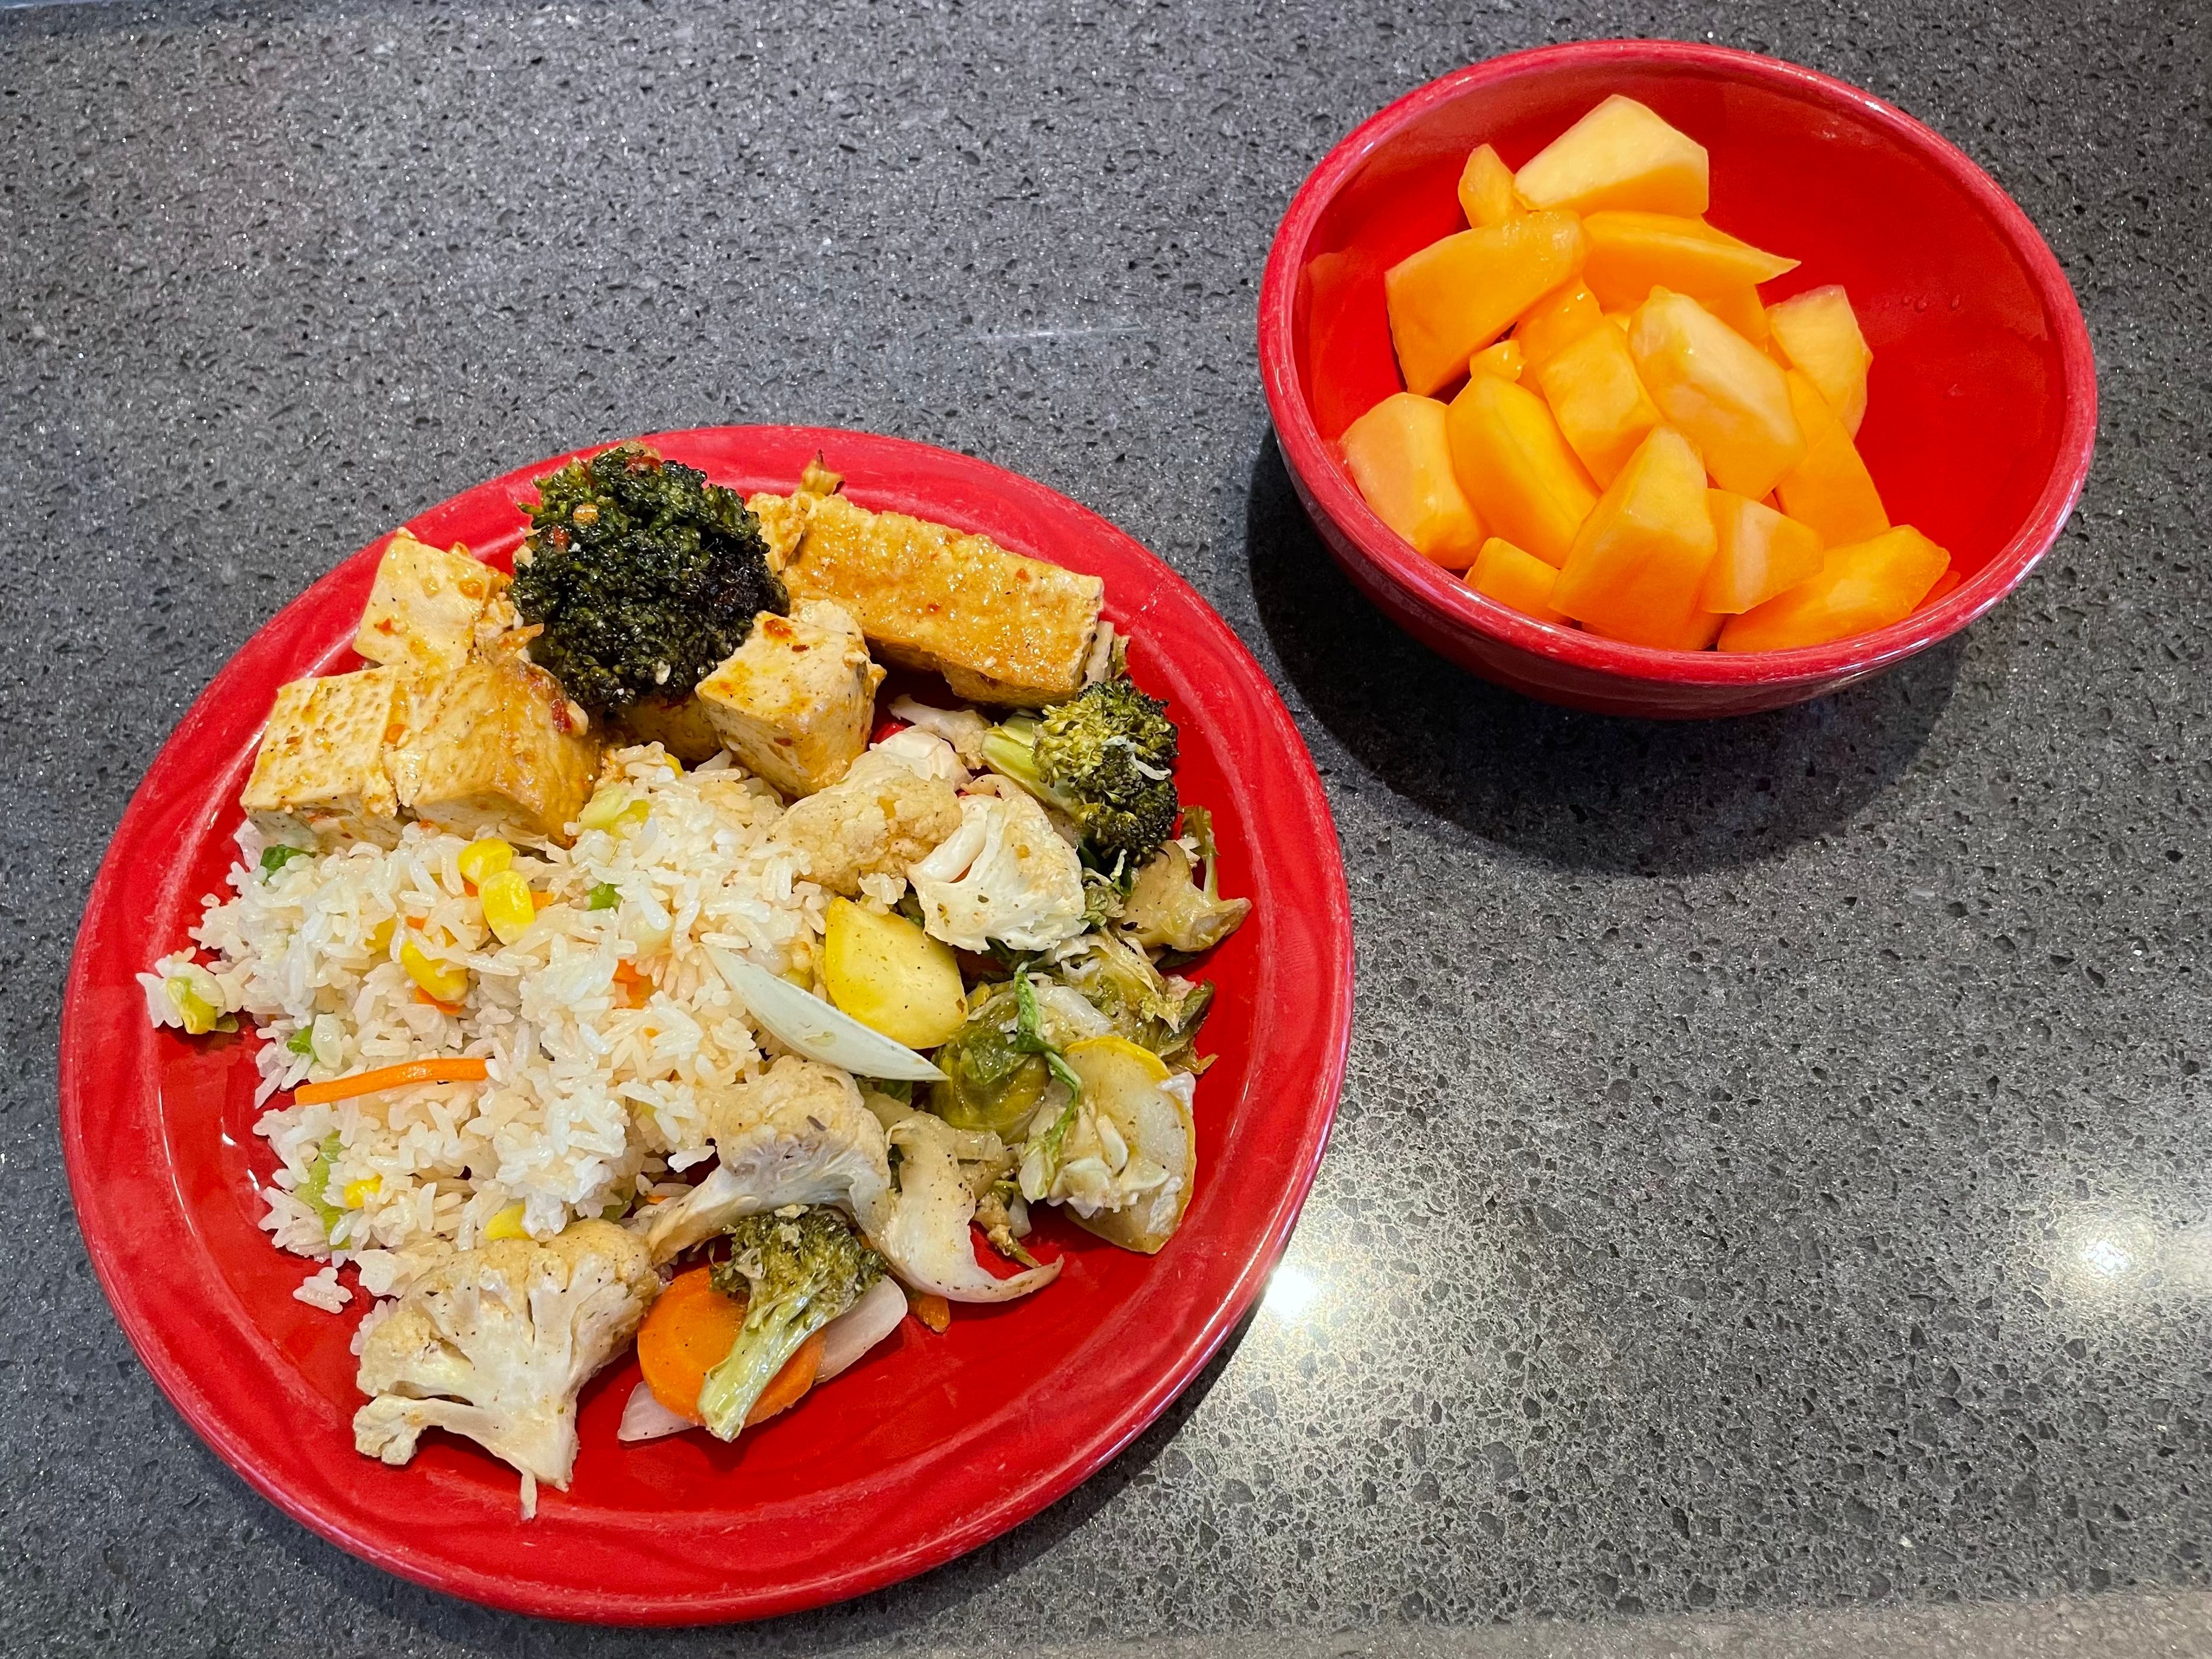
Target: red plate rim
{"type": "Point", "coordinates": [1296, 810]}
{"type": "Point", "coordinates": [1310, 460]}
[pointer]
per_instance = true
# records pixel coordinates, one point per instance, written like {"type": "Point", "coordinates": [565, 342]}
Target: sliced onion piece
{"type": "Point", "coordinates": [802, 1021]}
{"type": "Point", "coordinates": [861, 1327]}
{"type": "Point", "coordinates": [646, 1418]}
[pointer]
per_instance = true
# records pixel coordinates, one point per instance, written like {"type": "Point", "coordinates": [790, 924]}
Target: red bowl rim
{"type": "Point", "coordinates": [1459, 606]}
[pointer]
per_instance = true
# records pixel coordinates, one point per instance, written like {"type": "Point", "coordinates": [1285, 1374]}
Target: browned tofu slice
{"type": "Point", "coordinates": [1000, 628]}
{"type": "Point", "coordinates": [321, 760]}
{"type": "Point", "coordinates": [425, 611]}
{"type": "Point", "coordinates": [795, 703]}
{"type": "Point", "coordinates": [496, 747]}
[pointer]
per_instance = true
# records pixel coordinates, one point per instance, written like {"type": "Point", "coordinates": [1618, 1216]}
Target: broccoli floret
{"type": "Point", "coordinates": [643, 576]}
{"type": "Point", "coordinates": [796, 1271]}
{"type": "Point", "coordinates": [1106, 757]}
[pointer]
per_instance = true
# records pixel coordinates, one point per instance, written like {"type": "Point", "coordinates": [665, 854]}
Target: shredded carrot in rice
{"type": "Point", "coordinates": [452, 1068]}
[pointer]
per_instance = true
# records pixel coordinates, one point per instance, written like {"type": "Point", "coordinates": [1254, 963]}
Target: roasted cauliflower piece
{"type": "Point", "coordinates": [321, 765]}
{"type": "Point", "coordinates": [496, 1344]}
{"type": "Point", "coordinates": [1006, 875]}
{"type": "Point", "coordinates": [884, 815]}
{"type": "Point", "coordinates": [794, 703]}
{"type": "Point", "coordinates": [429, 608]}
{"type": "Point", "coordinates": [798, 1134]}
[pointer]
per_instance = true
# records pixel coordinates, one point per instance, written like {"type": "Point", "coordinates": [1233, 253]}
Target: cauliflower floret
{"type": "Point", "coordinates": [801, 1133]}
{"type": "Point", "coordinates": [494, 1343]}
{"type": "Point", "coordinates": [926, 1237]}
{"type": "Point", "coordinates": [881, 817]}
{"type": "Point", "coordinates": [963, 728]}
{"type": "Point", "coordinates": [927, 752]}
{"type": "Point", "coordinates": [796, 1134]}
{"type": "Point", "coordinates": [1005, 874]}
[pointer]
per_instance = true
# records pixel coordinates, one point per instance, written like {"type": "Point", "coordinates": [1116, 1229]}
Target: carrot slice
{"type": "Point", "coordinates": [690, 1330]}
{"type": "Point", "coordinates": [691, 1327]}
{"type": "Point", "coordinates": [789, 1386]}
{"type": "Point", "coordinates": [931, 1309]}
{"type": "Point", "coordinates": [452, 1068]}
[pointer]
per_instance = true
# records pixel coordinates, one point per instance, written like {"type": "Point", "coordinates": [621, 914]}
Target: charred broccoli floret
{"type": "Point", "coordinates": [796, 1270]}
{"type": "Point", "coordinates": [643, 576]}
{"type": "Point", "coordinates": [1106, 757]}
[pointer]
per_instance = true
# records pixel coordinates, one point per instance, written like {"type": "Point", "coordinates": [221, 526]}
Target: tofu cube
{"type": "Point", "coordinates": [321, 760]}
{"type": "Point", "coordinates": [496, 746]}
{"type": "Point", "coordinates": [426, 607]}
{"type": "Point", "coordinates": [795, 703]}
{"type": "Point", "coordinates": [681, 728]}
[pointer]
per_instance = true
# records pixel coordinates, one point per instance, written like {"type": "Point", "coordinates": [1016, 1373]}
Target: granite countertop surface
{"type": "Point", "coordinates": [1771, 1206]}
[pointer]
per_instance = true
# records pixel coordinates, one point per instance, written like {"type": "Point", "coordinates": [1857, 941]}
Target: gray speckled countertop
{"type": "Point", "coordinates": [1772, 1199]}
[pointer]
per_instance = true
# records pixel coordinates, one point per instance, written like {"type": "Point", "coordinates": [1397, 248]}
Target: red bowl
{"type": "Point", "coordinates": [1983, 400]}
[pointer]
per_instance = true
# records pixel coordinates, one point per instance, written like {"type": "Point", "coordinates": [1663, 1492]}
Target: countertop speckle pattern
{"type": "Point", "coordinates": [1773, 1174]}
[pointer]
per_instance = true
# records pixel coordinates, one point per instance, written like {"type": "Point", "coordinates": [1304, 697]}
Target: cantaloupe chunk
{"type": "Point", "coordinates": [1487, 195]}
{"type": "Point", "coordinates": [1830, 487]}
{"type": "Point", "coordinates": [1819, 332]}
{"type": "Point", "coordinates": [1698, 632]}
{"type": "Point", "coordinates": [1866, 586]}
{"type": "Point", "coordinates": [1556, 321]}
{"type": "Point", "coordinates": [1456, 296]}
{"type": "Point", "coordinates": [1602, 407]}
{"type": "Point", "coordinates": [1504, 360]}
{"type": "Point", "coordinates": [1725, 395]}
{"type": "Point", "coordinates": [1632, 253]}
{"type": "Point", "coordinates": [1738, 307]}
{"type": "Point", "coordinates": [1516, 467]}
{"type": "Point", "coordinates": [1637, 565]}
{"type": "Point", "coordinates": [1519, 580]}
{"type": "Point", "coordinates": [1760, 553]}
{"type": "Point", "coordinates": [1618, 155]}
{"type": "Point", "coordinates": [1401, 462]}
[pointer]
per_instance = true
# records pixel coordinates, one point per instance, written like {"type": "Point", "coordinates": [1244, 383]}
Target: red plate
{"type": "Point", "coordinates": [930, 1447]}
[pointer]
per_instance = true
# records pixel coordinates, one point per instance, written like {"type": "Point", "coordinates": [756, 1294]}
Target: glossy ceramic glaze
{"type": "Point", "coordinates": [928, 1447]}
{"type": "Point", "coordinates": [1982, 409]}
